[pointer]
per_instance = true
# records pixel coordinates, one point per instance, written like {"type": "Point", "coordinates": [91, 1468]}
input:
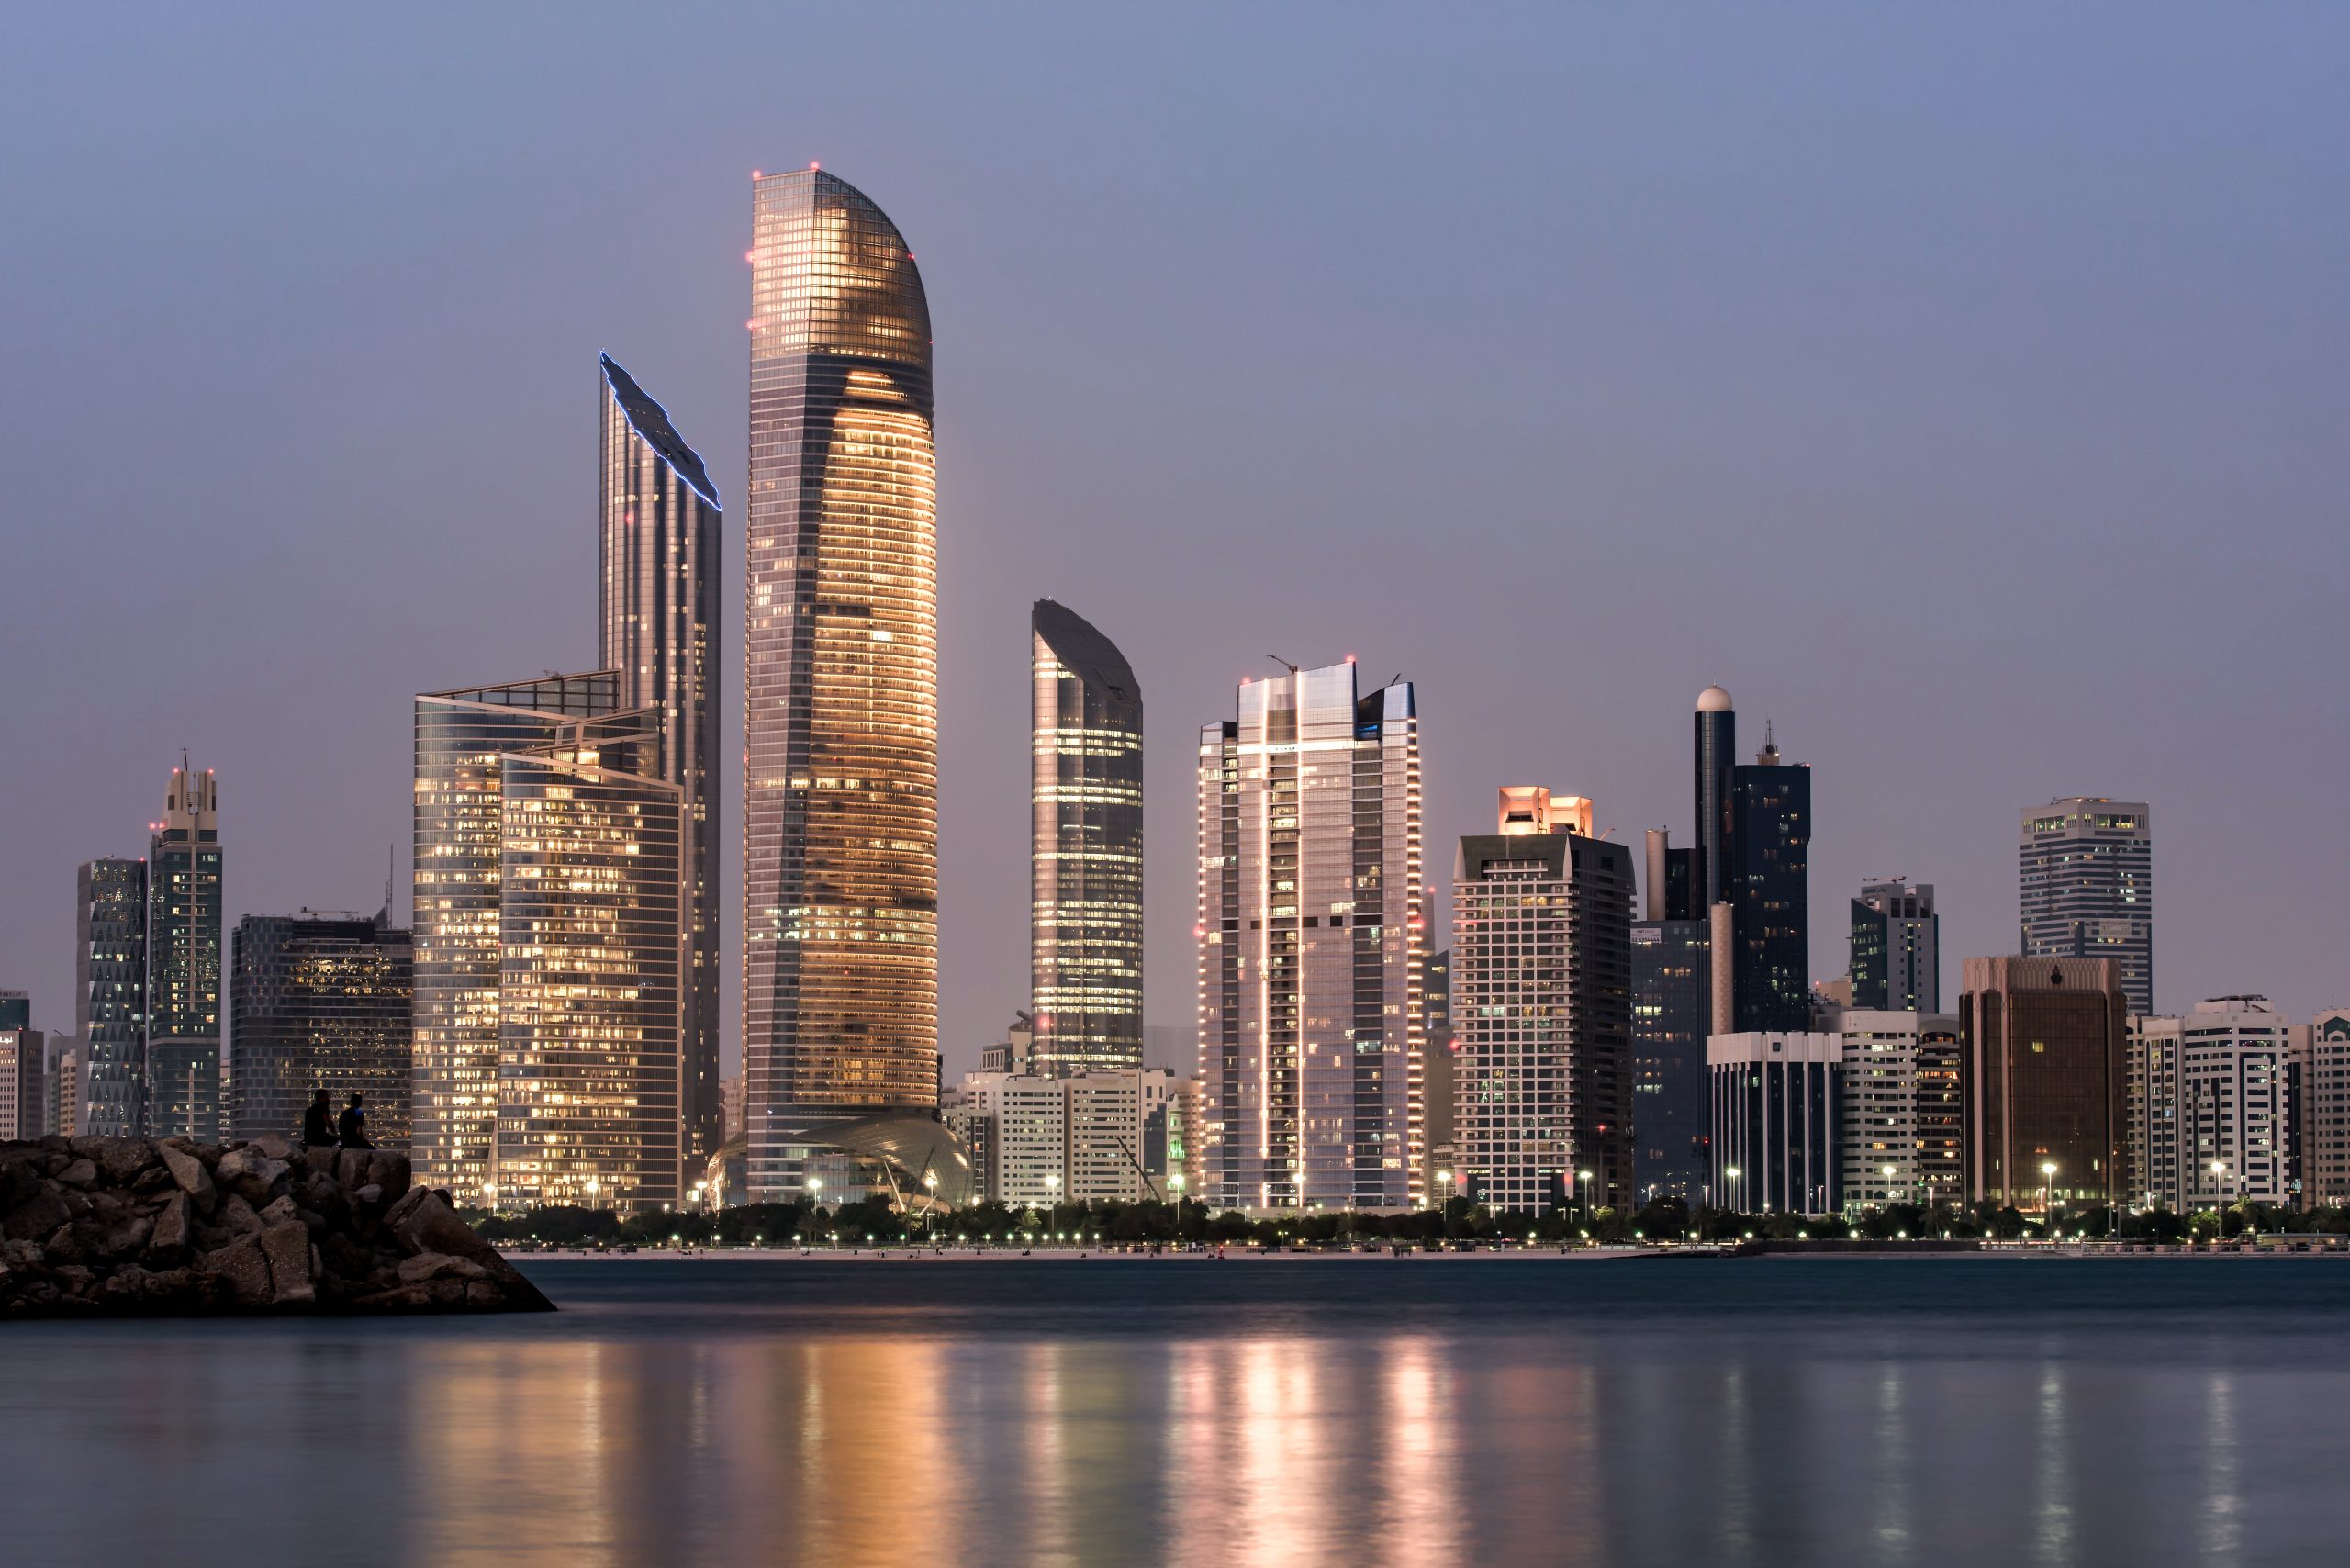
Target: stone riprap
{"type": "Point", "coordinates": [100, 1227]}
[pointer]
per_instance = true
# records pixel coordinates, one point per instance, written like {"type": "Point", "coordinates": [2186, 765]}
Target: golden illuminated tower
{"type": "Point", "coordinates": [840, 806]}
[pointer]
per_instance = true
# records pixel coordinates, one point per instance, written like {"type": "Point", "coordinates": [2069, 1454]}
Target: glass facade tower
{"type": "Point", "coordinates": [1310, 946]}
{"type": "Point", "coordinates": [111, 991]}
{"type": "Point", "coordinates": [659, 621]}
{"type": "Point", "coordinates": [182, 1092]}
{"type": "Point", "coordinates": [840, 927]}
{"type": "Point", "coordinates": [1769, 893]}
{"type": "Point", "coordinates": [2086, 874]}
{"type": "Point", "coordinates": [320, 1002]}
{"type": "Point", "coordinates": [1085, 848]}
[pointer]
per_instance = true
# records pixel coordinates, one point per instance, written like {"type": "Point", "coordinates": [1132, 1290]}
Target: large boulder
{"type": "Point", "coordinates": [189, 1175]}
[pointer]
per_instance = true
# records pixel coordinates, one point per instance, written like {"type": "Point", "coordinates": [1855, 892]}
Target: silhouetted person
{"type": "Point", "coordinates": [352, 1125]}
{"type": "Point", "coordinates": [318, 1122]}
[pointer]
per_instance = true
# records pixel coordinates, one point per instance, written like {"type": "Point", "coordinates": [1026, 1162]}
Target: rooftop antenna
{"type": "Point", "coordinates": [388, 862]}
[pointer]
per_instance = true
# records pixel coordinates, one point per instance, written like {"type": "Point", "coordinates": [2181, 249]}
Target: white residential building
{"type": "Point", "coordinates": [2321, 1125]}
{"type": "Point", "coordinates": [1901, 1133]}
{"type": "Point", "coordinates": [2211, 1106]}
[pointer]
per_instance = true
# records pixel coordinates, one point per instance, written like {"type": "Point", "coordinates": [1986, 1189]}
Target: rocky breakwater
{"type": "Point", "coordinates": [96, 1227]}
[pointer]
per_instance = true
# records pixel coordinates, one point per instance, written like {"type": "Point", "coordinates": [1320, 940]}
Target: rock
{"type": "Point", "coordinates": [129, 1282]}
{"type": "Point", "coordinates": [373, 1193]}
{"type": "Point", "coordinates": [435, 1265]}
{"type": "Point", "coordinates": [122, 1159]}
{"type": "Point", "coordinates": [252, 1171]}
{"type": "Point", "coordinates": [189, 1174]}
{"type": "Point", "coordinates": [243, 1268]}
{"type": "Point", "coordinates": [236, 1215]}
{"type": "Point", "coordinates": [321, 1160]}
{"type": "Point", "coordinates": [280, 1210]}
{"type": "Point", "coordinates": [169, 1235]}
{"type": "Point", "coordinates": [276, 1146]}
{"type": "Point", "coordinates": [82, 1172]}
{"type": "Point", "coordinates": [20, 1180]}
{"type": "Point", "coordinates": [388, 1170]}
{"type": "Point", "coordinates": [350, 1166]}
{"type": "Point", "coordinates": [38, 1215]}
{"type": "Point", "coordinates": [425, 1223]}
{"type": "Point", "coordinates": [287, 1248]}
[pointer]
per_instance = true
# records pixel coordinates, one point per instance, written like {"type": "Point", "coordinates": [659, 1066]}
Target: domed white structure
{"type": "Point", "coordinates": [1714, 699]}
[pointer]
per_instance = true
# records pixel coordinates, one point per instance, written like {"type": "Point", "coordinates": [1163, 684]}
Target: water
{"type": "Point", "coordinates": [1474, 1411]}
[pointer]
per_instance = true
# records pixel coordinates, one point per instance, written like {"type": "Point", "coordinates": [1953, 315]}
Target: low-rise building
{"type": "Point", "coordinates": [1777, 1102]}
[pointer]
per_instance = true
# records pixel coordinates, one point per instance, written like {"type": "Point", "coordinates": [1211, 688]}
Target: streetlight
{"type": "Point", "coordinates": [2048, 1201]}
{"type": "Point", "coordinates": [930, 1214]}
{"type": "Point", "coordinates": [1175, 1183]}
{"type": "Point", "coordinates": [1583, 1197]}
{"type": "Point", "coordinates": [1730, 1175]}
{"type": "Point", "coordinates": [1052, 1185]}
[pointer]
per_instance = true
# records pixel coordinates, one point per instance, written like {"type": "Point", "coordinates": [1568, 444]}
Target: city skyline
{"type": "Point", "coordinates": [1054, 461]}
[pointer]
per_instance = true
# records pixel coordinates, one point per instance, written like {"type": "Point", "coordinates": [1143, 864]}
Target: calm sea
{"type": "Point", "coordinates": [1477, 1411]}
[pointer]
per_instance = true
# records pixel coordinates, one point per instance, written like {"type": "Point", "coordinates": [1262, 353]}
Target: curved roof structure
{"type": "Point", "coordinates": [1714, 699]}
{"type": "Point", "coordinates": [915, 1142]}
{"type": "Point", "coordinates": [1083, 651]}
{"type": "Point", "coordinates": [650, 420]}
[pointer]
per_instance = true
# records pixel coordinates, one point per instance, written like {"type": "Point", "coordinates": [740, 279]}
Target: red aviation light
{"type": "Point", "coordinates": [757, 175]}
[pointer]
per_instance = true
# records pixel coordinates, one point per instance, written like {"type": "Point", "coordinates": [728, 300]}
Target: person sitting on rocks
{"type": "Point", "coordinates": [352, 1124]}
{"type": "Point", "coordinates": [318, 1122]}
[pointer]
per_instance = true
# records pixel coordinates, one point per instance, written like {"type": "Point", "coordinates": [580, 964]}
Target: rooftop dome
{"type": "Point", "coordinates": [1713, 700]}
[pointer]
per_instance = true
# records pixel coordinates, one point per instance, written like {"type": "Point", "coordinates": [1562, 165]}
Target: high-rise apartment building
{"type": "Point", "coordinates": [1768, 890]}
{"type": "Point", "coordinates": [660, 635]}
{"type": "Point", "coordinates": [1310, 946]}
{"type": "Point", "coordinates": [1439, 1073]}
{"type": "Point", "coordinates": [1777, 1102]}
{"type": "Point", "coordinates": [181, 1095]}
{"type": "Point", "coordinates": [2210, 1107]}
{"type": "Point", "coordinates": [2088, 881]}
{"type": "Point", "coordinates": [2045, 1078]}
{"type": "Point", "coordinates": [1903, 1113]}
{"type": "Point", "coordinates": [2321, 1108]}
{"type": "Point", "coordinates": [1085, 848]}
{"type": "Point", "coordinates": [840, 802]}
{"type": "Point", "coordinates": [1896, 948]}
{"type": "Point", "coordinates": [24, 1072]}
{"type": "Point", "coordinates": [1542, 973]}
{"type": "Point", "coordinates": [110, 993]}
{"type": "Point", "coordinates": [66, 1107]}
{"type": "Point", "coordinates": [551, 960]}
{"type": "Point", "coordinates": [320, 1002]}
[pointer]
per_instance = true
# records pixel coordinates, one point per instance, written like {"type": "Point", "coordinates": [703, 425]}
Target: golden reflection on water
{"type": "Point", "coordinates": [1412, 1448]}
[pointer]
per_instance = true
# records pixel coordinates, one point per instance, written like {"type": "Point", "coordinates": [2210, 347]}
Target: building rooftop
{"type": "Point", "coordinates": [650, 420]}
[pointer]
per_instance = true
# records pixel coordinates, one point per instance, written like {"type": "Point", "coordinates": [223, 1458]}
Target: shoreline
{"type": "Point", "coordinates": [1513, 1254]}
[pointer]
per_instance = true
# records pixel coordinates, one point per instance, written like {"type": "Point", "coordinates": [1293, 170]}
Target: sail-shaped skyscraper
{"type": "Point", "coordinates": [840, 804]}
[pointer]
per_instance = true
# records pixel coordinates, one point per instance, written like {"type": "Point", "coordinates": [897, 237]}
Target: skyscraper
{"type": "Point", "coordinates": [2045, 1073]}
{"type": "Point", "coordinates": [659, 578]}
{"type": "Point", "coordinates": [1084, 847]}
{"type": "Point", "coordinates": [840, 804]}
{"type": "Point", "coordinates": [318, 1002]}
{"type": "Point", "coordinates": [1672, 981]}
{"type": "Point", "coordinates": [1310, 946]}
{"type": "Point", "coordinates": [1768, 890]}
{"type": "Point", "coordinates": [1902, 1122]}
{"type": "Point", "coordinates": [549, 961]}
{"type": "Point", "coordinates": [1896, 948]}
{"type": "Point", "coordinates": [1542, 917]}
{"type": "Point", "coordinates": [2088, 882]}
{"type": "Point", "coordinates": [1777, 1113]}
{"type": "Point", "coordinates": [111, 991]}
{"type": "Point", "coordinates": [182, 1092]}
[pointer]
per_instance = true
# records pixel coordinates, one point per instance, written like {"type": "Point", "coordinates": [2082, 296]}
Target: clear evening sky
{"type": "Point", "coordinates": [1967, 389]}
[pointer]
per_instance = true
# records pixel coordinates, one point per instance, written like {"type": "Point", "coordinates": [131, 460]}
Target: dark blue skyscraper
{"type": "Point", "coordinates": [1768, 890]}
{"type": "Point", "coordinates": [1716, 744]}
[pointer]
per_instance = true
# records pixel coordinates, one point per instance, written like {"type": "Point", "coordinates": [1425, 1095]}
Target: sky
{"type": "Point", "coordinates": [1961, 388]}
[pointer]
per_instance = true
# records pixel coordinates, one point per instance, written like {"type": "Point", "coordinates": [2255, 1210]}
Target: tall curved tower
{"type": "Point", "coordinates": [1085, 848]}
{"type": "Point", "coordinates": [839, 797]}
{"type": "Point", "coordinates": [659, 628]}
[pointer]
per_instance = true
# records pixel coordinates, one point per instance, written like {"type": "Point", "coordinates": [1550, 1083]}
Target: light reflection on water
{"type": "Point", "coordinates": [650, 1432]}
